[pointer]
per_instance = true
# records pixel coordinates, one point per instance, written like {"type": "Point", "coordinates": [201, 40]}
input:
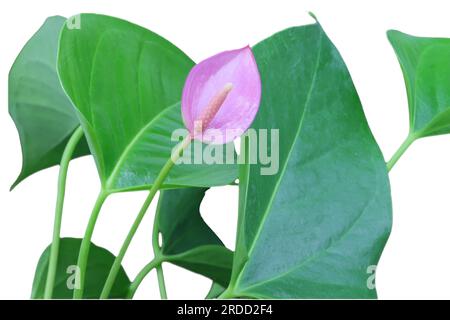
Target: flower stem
{"type": "Point", "coordinates": [141, 275]}
{"type": "Point", "coordinates": [86, 244]}
{"type": "Point", "coordinates": [157, 250]}
{"type": "Point", "coordinates": [64, 166]}
{"type": "Point", "coordinates": [401, 150]}
{"type": "Point", "coordinates": [154, 189]}
{"type": "Point", "coordinates": [161, 282]}
{"type": "Point", "coordinates": [155, 263]}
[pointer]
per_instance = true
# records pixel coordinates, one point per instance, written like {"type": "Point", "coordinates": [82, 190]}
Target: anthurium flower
{"type": "Point", "coordinates": [221, 96]}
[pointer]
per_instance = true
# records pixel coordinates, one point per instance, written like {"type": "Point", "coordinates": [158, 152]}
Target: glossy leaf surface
{"type": "Point", "coordinates": [187, 240]}
{"type": "Point", "coordinates": [99, 264]}
{"type": "Point", "coordinates": [426, 70]}
{"type": "Point", "coordinates": [313, 229]}
{"type": "Point", "coordinates": [43, 114]}
{"type": "Point", "coordinates": [125, 82]}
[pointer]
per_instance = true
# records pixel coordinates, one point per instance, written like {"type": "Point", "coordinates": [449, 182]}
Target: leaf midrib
{"type": "Point", "coordinates": [332, 243]}
{"type": "Point", "coordinates": [200, 249]}
{"type": "Point", "coordinates": [313, 83]}
{"type": "Point", "coordinates": [110, 181]}
{"type": "Point", "coordinates": [109, 184]}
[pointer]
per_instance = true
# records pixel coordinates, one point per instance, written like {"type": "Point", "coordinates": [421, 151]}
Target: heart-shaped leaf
{"type": "Point", "coordinates": [187, 240]}
{"type": "Point", "coordinates": [426, 70]}
{"type": "Point", "coordinates": [125, 82]}
{"type": "Point", "coordinates": [42, 112]}
{"type": "Point", "coordinates": [314, 229]}
{"type": "Point", "coordinates": [99, 264]}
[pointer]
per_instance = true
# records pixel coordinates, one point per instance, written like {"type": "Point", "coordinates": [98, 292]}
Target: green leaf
{"type": "Point", "coordinates": [426, 69]}
{"type": "Point", "coordinates": [215, 291]}
{"type": "Point", "coordinates": [42, 112]}
{"type": "Point", "coordinates": [126, 83]}
{"type": "Point", "coordinates": [99, 264]}
{"type": "Point", "coordinates": [313, 229]}
{"type": "Point", "coordinates": [187, 241]}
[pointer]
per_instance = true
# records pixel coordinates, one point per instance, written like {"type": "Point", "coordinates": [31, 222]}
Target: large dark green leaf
{"type": "Point", "coordinates": [125, 82]}
{"type": "Point", "coordinates": [42, 112]}
{"type": "Point", "coordinates": [313, 229]}
{"type": "Point", "coordinates": [187, 240]}
{"type": "Point", "coordinates": [99, 264]}
{"type": "Point", "coordinates": [426, 68]}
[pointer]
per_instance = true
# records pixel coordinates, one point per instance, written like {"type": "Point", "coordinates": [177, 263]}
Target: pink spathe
{"type": "Point", "coordinates": [221, 96]}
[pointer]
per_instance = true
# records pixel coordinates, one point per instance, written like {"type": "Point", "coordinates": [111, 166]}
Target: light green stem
{"type": "Point", "coordinates": [155, 263]}
{"type": "Point", "coordinates": [154, 189]}
{"type": "Point", "coordinates": [157, 251]}
{"type": "Point", "coordinates": [401, 150]}
{"type": "Point", "coordinates": [86, 244]}
{"type": "Point", "coordinates": [64, 166]}
{"type": "Point", "coordinates": [161, 282]}
{"type": "Point", "coordinates": [141, 275]}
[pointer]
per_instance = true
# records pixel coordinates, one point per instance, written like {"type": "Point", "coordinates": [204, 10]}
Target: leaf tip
{"type": "Point", "coordinates": [54, 18]}
{"type": "Point", "coordinates": [312, 15]}
{"type": "Point", "coordinates": [394, 33]}
{"type": "Point", "coordinates": [390, 32]}
{"type": "Point", "coordinates": [14, 185]}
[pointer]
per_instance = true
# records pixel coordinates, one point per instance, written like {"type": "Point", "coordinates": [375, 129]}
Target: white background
{"type": "Point", "coordinates": [416, 260]}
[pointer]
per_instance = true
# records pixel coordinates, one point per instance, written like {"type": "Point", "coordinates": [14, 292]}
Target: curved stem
{"type": "Point", "coordinates": [155, 233]}
{"type": "Point", "coordinates": [118, 261]}
{"type": "Point", "coordinates": [86, 244]}
{"type": "Point", "coordinates": [401, 150]}
{"type": "Point", "coordinates": [154, 189]}
{"type": "Point", "coordinates": [64, 166]}
{"type": "Point", "coordinates": [141, 275]}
